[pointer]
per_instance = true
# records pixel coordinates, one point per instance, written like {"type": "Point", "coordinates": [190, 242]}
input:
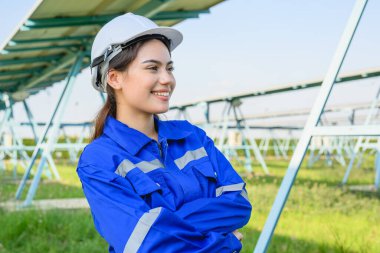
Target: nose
{"type": "Point", "coordinates": [167, 78]}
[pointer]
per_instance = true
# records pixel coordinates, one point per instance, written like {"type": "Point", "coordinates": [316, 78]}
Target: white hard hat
{"type": "Point", "coordinates": [119, 33]}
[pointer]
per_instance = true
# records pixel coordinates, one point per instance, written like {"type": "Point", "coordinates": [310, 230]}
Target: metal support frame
{"type": "Point", "coordinates": [248, 144]}
{"type": "Point", "coordinates": [74, 148]}
{"type": "Point", "coordinates": [44, 148]}
{"type": "Point", "coordinates": [286, 88]}
{"type": "Point", "coordinates": [63, 63]}
{"type": "Point", "coordinates": [280, 146]}
{"type": "Point", "coordinates": [340, 147]}
{"type": "Point", "coordinates": [8, 148]}
{"type": "Point", "coordinates": [264, 146]}
{"type": "Point", "coordinates": [329, 147]}
{"type": "Point", "coordinates": [360, 144]}
{"type": "Point", "coordinates": [311, 124]}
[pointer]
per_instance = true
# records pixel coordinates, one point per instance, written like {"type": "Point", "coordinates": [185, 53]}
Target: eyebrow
{"type": "Point", "coordinates": [157, 62]}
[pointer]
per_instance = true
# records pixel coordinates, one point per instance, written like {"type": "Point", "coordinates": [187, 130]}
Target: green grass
{"type": "Point", "coordinates": [51, 231]}
{"type": "Point", "coordinates": [68, 187]}
{"type": "Point", "coordinates": [319, 215]}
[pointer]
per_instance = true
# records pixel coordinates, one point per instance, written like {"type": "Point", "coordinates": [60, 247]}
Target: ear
{"type": "Point", "coordinates": [114, 79]}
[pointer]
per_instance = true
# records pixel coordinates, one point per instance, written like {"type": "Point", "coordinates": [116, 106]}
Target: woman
{"type": "Point", "coordinates": [152, 185]}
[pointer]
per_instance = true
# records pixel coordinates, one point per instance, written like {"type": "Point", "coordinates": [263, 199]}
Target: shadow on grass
{"type": "Point", "coordinates": [286, 244]}
{"type": "Point", "coordinates": [364, 193]}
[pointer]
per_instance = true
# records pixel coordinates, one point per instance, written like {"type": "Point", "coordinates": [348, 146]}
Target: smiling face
{"type": "Point", "coordinates": [145, 87]}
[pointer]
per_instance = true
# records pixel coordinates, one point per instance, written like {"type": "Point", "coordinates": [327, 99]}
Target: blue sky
{"type": "Point", "coordinates": [243, 45]}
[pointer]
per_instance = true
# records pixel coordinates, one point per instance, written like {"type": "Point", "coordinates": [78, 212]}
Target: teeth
{"type": "Point", "coordinates": [164, 94]}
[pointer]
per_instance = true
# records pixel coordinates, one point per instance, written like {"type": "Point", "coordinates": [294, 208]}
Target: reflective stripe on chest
{"type": "Point", "coordinates": [126, 166]}
{"type": "Point", "coordinates": [190, 156]}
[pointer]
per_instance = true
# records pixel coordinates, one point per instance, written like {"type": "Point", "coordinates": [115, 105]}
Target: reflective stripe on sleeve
{"type": "Point", "coordinates": [228, 188]}
{"type": "Point", "coordinates": [141, 230]}
{"type": "Point", "coordinates": [244, 194]}
{"type": "Point", "coordinates": [126, 166]}
{"type": "Point", "coordinates": [189, 156]}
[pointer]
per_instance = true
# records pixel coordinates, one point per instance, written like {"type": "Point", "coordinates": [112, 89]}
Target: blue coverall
{"type": "Point", "coordinates": [179, 194]}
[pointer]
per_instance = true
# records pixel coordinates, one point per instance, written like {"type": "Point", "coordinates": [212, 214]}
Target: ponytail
{"type": "Point", "coordinates": [108, 109]}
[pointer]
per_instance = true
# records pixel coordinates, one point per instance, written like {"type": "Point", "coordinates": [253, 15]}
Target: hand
{"type": "Point", "coordinates": [238, 235]}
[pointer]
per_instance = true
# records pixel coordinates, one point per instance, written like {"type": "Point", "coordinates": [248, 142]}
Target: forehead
{"type": "Point", "coordinates": [153, 49]}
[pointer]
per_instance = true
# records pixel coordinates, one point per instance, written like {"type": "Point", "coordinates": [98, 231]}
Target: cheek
{"type": "Point", "coordinates": [174, 83]}
{"type": "Point", "coordinates": [136, 87]}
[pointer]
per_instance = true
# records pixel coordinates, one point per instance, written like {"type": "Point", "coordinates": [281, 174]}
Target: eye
{"type": "Point", "coordinates": [171, 68]}
{"type": "Point", "coordinates": [155, 68]}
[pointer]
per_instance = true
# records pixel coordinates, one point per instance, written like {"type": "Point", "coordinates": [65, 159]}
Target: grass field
{"type": "Point", "coordinates": [319, 216]}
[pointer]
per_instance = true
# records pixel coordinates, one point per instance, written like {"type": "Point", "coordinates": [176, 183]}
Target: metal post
{"type": "Point", "coordinates": [11, 127]}
{"type": "Point", "coordinates": [275, 147]}
{"type": "Point", "coordinates": [9, 104]}
{"type": "Point", "coordinates": [224, 123]}
{"type": "Point", "coordinates": [377, 169]}
{"type": "Point", "coordinates": [71, 151]}
{"type": "Point", "coordinates": [339, 148]}
{"type": "Point", "coordinates": [53, 168]}
{"type": "Point", "coordinates": [311, 124]}
{"type": "Point", "coordinates": [33, 124]}
{"type": "Point", "coordinates": [80, 139]}
{"type": "Point", "coordinates": [7, 113]}
{"type": "Point", "coordinates": [6, 117]}
{"type": "Point", "coordinates": [247, 152]}
{"type": "Point", "coordinates": [266, 146]}
{"type": "Point", "coordinates": [312, 149]}
{"type": "Point", "coordinates": [257, 153]}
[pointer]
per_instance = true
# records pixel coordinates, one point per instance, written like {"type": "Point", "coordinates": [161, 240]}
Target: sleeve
{"type": "Point", "coordinates": [230, 209]}
{"type": "Point", "coordinates": [128, 224]}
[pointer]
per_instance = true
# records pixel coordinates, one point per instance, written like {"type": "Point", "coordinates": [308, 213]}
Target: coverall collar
{"type": "Point", "coordinates": [133, 140]}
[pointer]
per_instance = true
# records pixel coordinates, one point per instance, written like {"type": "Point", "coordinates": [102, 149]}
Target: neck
{"type": "Point", "coordinates": [144, 123]}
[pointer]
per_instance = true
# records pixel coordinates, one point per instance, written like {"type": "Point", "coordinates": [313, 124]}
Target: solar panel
{"type": "Point", "coordinates": [42, 50]}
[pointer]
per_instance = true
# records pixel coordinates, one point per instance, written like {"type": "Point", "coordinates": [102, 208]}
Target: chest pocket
{"type": "Point", "coordinates": [151, 188]}
{"type": "Point", "coordinates": [142, 184]}
{"type": "Point", "coordinates": [198, 180]}
{"type": "Point", "coordinates": [206, 176]}
{"type": "Point", "coordinates": [200, 177]}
